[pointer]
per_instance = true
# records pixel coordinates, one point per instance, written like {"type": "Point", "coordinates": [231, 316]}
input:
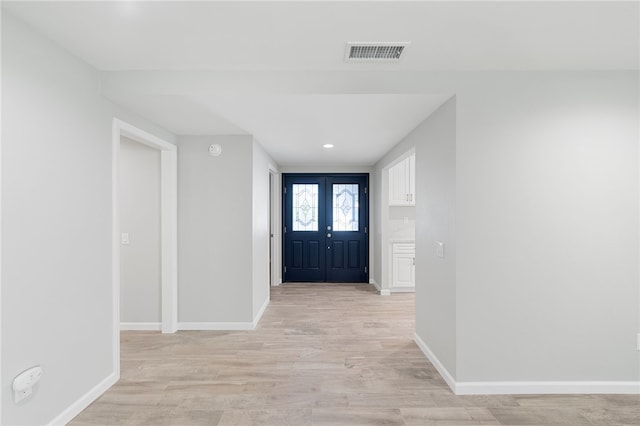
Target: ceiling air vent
{"type": "Point", "coordinates": [377, 52]}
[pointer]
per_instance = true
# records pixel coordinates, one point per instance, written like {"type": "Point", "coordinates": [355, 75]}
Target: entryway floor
{"type": "Point", "coordinates": [323, 354]}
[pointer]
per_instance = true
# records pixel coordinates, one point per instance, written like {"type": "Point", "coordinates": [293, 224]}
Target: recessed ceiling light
{"type": "Point", "coordinates": [327, 145]}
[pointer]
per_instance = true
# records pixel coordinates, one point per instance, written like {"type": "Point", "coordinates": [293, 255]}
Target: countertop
{"type": "Point", "coordinates": [402, 240]}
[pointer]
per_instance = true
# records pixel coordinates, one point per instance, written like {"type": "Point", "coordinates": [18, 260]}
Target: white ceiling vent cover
{"type": "Point", "coordinates": [376, 52]}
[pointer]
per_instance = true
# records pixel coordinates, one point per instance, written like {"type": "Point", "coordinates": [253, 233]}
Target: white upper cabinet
{"type": "Point", "coordinates": [402, 179]}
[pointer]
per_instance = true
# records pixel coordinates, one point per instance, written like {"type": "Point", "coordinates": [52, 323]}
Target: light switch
{"type": "Point", "coordinates": [124, 238]}
{"type": "Point", "coordinates": [439, 249]}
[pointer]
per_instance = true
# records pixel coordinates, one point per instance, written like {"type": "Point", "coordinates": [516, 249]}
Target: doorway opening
{"type": "Point", "coordinates": [397, 225]}
{"type": "Point", "coordinates": [139, 208]}
{"type": "Point", "coordinates": [168, 228]}
{"type": "Point", "coordinates": [325, 227]}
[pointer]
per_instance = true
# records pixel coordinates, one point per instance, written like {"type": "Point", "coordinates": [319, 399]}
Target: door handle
{"type": "Point", "coordinates": [329, 235]}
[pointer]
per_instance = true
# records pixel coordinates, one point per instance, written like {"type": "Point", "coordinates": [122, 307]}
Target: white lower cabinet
{"type": "Point", "coordinates": [403, 266]}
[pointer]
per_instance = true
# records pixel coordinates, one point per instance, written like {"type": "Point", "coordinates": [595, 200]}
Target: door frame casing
{"type": "Point", "coordinates": [168, 227]}
{"type": "Point", "coordinates": [276, 220]}
{"type": "Point", "coordinates": [365, 174]}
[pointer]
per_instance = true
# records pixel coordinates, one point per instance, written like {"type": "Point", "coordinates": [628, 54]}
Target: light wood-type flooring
{"type": "Point", "coordinates": [322, 354]}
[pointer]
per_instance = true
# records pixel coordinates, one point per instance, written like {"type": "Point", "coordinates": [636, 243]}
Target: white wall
{"type": "Point", "coordinates": [436, 308]}
{"type": "Point", "coordinates": [139, 191]}
{"type": "Point", "coordinates": [215, 205]}
{"type": "Point", "coordinates": [57, 300]}
{"type": "Point", "coordinates": [547, 227]}
{"type": "Point", "coordinates": [223, 228]}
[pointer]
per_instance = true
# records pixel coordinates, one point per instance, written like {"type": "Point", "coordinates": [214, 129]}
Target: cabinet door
{"type": "Point", "coordinates": [411, 179]}
{"type": "Point", "coordinates": [398, 189]}
{"type": "Point", "coordinates": [403, 270]}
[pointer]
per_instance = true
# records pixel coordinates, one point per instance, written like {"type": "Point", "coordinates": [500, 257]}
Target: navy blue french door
{"type": "Point", "coordinates": [325, 227]}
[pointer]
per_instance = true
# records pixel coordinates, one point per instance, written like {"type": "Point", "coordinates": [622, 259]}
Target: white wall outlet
{"type": "Point", "coordinates": [215, 150]}
{"type": "Point", "coordinates": [24, 382]}
{"type": "Point", "coordinates": [124, 238]}
{"type": "Point", "coordinates": [440, 249]}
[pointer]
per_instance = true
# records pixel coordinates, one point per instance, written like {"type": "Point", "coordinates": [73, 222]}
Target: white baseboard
{"type": "Point", "coordinates": [403, 290]}
{"type": "Point", "coordinates": [560, 387]}
{"type": "Point", "coordinates": [76, 408]}
{"type": "Point", "coordinates": [529, 387]}
{"type": "Point", "coordinates": [218, 326]}
{"type": "Point", "coordinates": [377, 286]}
{"type": "Point", "coordinates": [448, 378]}
{"type": "Point", "coordinates": [256, 320]}
{"type": "Point", "coordinates": [140, 326]}
{"type": "Point", "coordinates": [225, 326]}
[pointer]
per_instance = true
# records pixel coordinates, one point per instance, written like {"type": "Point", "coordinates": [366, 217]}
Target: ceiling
{"type": "Point", "coordinates": [267, 37]}
{"type": "Point", "coordinates": [207, 35]}
{"type": "Point", "coordinates": [360, 126]}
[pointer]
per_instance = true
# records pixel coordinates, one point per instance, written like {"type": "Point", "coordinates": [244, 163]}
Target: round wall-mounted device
{"type": "Point", "coordinates": [215, 150]}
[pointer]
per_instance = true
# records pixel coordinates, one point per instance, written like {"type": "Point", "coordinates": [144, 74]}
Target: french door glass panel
{"type": "Point", "coordinates": [345, 207]}
{"type": "Point", "coordinates": [305, 207]}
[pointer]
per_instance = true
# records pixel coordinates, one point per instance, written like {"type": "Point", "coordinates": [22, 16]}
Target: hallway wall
{"type": "Point", "coordinates": [546, 238]}
{"type": "Point", "coordinates": [547, 227]}
{"type": "Point", "coordinates": [57, 298]}
{"type": "Point", "coordinates": [223, 228]}
{"type": "Point", "coordinates": [436, 206]}
{"type": "Point", "coordinates": [215, 232]}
